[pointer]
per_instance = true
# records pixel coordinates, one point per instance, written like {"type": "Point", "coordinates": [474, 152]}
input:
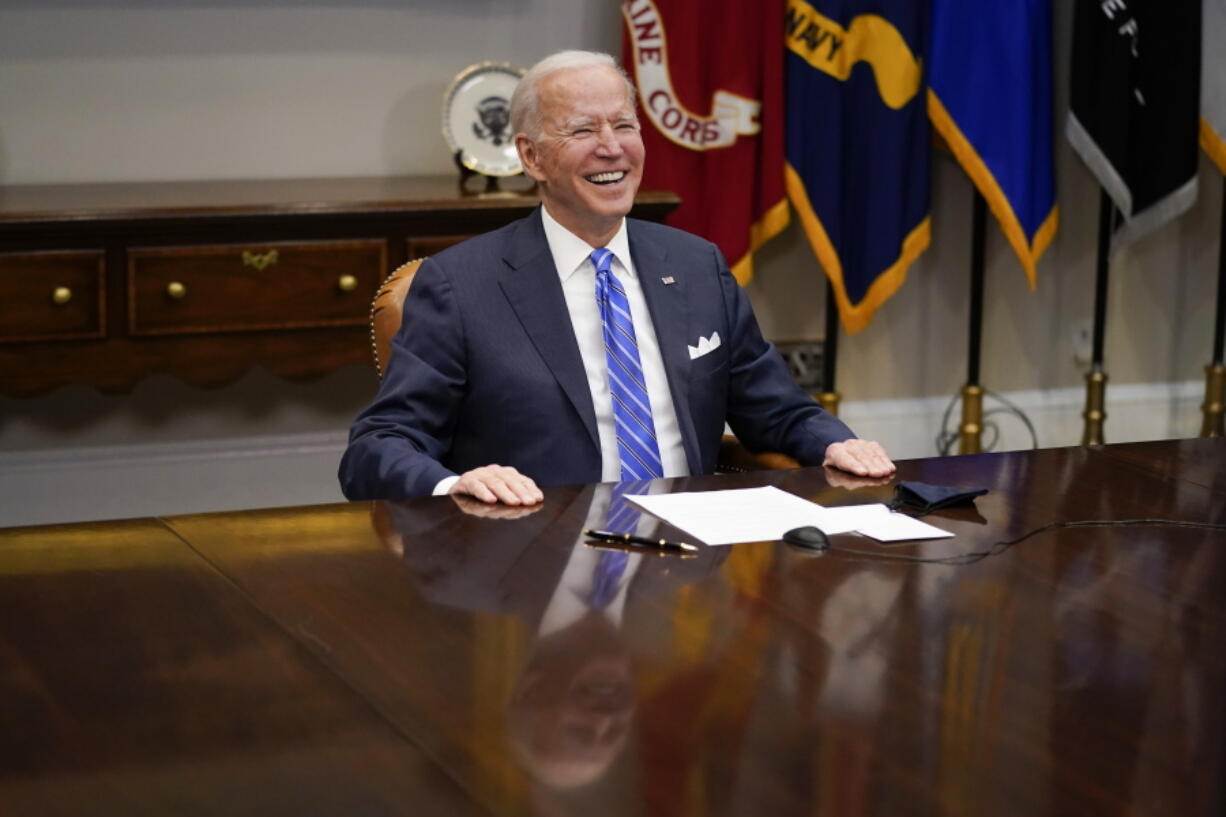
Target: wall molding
{"type": "Point", "coordinates": [176, 453]}
{"type": "Point", "coordinates": [163, 479]}
{"type": "Point", "coordinates": [236, 473]}
{"type": "Point", "coordinates": [1135, 411]}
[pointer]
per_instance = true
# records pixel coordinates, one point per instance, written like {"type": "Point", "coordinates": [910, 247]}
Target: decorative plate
{"type": "Point", "coordinates": [477, 121]}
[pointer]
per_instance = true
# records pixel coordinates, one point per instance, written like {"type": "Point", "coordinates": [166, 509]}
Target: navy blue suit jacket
{"type": "Point", "coordinates": [485, 369]}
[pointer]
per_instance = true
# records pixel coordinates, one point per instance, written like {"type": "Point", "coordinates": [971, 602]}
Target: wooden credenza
{"type": "Point", "coordinates": [102, 284]}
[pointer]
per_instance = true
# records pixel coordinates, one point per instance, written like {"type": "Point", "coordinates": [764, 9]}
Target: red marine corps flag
{"type": "Point", "coordinates": [710, 81]}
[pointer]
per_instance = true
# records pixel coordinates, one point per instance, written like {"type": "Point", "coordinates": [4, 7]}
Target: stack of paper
{"type": "Point", "coordinates": [764, 514]}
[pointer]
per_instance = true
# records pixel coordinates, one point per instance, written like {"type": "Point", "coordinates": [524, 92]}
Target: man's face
{"type": "Point", "coordinates": [589, 159]}
{"type": "Point", "coordinates": [571, 711]}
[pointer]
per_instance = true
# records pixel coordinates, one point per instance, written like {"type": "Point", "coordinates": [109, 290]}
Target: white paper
{"type": "Point", "coordinates": [765, 514]}
{"type": "Point", "coordinates": [729, 517]}
{"type": "Point", "coordinates": [898, 527]}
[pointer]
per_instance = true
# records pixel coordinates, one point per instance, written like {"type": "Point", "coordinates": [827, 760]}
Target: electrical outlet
{"type": "Point", "coordinates": [1082, 337]}
{"type": "Point", "coordinates": [804, 360]}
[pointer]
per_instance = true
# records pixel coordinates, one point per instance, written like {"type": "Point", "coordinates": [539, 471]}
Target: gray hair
{"type": "Point", "coordinates": [526, 100]}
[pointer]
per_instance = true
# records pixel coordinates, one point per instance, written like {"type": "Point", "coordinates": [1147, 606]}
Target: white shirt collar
{"type": "Point", "coordinates": [570, 251]}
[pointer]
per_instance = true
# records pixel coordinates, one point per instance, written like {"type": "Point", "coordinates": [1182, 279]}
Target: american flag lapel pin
{"type": "Point", "coordinates": [668, 280]}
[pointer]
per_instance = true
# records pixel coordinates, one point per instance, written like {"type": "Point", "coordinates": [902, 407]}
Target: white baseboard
{"type": "Point", "coordinates": [1142, 411]}
{"type": "Point", "coordinates": [160, 479]}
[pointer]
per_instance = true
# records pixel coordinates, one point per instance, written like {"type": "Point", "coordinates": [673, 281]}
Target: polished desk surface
{"type": "Point", "coordinates": [399, 658]}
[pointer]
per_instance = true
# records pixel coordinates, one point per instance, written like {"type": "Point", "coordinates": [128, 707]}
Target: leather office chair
{"type": "Point", "coordinates": [386, 315]}
{"type": "Point", "coordinates": [387, 311]}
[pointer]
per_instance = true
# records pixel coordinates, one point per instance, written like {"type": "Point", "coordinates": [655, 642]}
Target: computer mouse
{"type": "Point", "coordinates": [808, 537]}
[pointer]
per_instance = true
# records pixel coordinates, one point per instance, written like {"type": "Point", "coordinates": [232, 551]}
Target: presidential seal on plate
{"type": "Point", "coordinates": [477, 119]}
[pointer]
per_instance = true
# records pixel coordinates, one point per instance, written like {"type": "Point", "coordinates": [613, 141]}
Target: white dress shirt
{"type": "Point", "coordinates": [568, 603]}
{"type": "Point", "coordinates": [571, 257]}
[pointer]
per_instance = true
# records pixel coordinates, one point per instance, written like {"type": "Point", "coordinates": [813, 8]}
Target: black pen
{"type": "Point", "coordinates": [641, 541]}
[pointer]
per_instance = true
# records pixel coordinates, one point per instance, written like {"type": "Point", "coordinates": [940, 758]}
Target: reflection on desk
{"type": "Point", "coordinates": [412, 658]}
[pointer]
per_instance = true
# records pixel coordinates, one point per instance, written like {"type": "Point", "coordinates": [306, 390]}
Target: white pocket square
{"type": "Point", "coordinates": [704, 346]}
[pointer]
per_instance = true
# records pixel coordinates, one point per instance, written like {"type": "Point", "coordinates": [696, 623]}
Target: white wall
{"type": "Point", "coordinates": [174, 89]}
{"type": "Point", "coordinates": [183, 89]}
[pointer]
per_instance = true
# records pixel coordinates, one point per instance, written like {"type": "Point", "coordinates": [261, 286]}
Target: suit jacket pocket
{"type": "Point", "coordinates": [712, 363]}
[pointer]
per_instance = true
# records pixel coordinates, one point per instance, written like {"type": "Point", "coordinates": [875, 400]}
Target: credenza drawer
{"type": "Point", "coordinates": [185, 290]}
{"type": "Point", "coordinates": [51, 296]}
{"type": "Point", "coordinates": [256, 264]}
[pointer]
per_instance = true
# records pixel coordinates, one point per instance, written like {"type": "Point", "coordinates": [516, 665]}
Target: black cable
{"type": "Point", "coordinates": [987, 443]}
{"type": "Point", "coordinates": [946, 438]}
{"type": "Point", "coordinates": [960, 559]}
{"type": "Point", "coordinates": [1016, 411]}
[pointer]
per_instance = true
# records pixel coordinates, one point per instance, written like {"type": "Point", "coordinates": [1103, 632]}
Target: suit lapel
{"type": "Point", "coordinates": [533, 288]}
{"type": "Point", "coordinates": [670, 315]}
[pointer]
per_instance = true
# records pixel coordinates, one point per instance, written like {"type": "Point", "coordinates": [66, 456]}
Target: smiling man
{"type": "Point", "coordinates": [578, 345]}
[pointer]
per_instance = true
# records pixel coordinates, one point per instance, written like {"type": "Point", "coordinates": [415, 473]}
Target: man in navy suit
{"type": "Point", "coordinates": [498, 378]}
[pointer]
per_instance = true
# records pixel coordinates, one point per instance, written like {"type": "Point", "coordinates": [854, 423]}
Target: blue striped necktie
{"type": "Point", "coordinates": [621, 517]}
{"type": "Point", "coordinates": [636, 432]}
{"type": "Point", "coordinates": [607, 578]}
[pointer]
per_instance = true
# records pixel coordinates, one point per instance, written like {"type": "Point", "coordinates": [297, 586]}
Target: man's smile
{"type": "Point", "coordinates": [608, 177]}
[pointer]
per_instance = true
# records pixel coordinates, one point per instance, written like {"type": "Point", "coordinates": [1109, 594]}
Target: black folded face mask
{"type": "Point", "coordinates": [922, 497]}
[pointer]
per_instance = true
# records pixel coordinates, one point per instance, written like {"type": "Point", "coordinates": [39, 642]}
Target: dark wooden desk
{"type": "Point", "coordinates": [103, 284]}
{"type": "Point", "coordinates": [389, 659]}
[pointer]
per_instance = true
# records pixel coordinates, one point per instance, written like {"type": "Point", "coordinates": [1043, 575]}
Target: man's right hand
{"type": "Point", "coordinates": [498, 483]}
{"type": "Point", "coordinates": [495, 510]}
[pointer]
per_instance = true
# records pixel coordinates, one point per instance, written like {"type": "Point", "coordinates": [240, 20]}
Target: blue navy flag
{"type": "Point", "coordinates": [990, 97]}
{"type": "Point", "coordinates": [1134, 103]}
{"type": "Point", "coordinates": [858, 143]}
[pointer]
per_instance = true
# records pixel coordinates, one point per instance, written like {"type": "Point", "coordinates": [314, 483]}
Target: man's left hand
{"type": "Point", "coordinates": [863, 458]}
{"type": "Point", "coordinates": [850, 482]}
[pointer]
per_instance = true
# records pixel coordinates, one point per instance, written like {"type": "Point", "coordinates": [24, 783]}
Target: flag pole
{"type": "Point", "coordinates": [1215, 372]}
{"type": "Point", "coordinates": [970, 432]}
{"type": "Point", "coordinates": [1096, 379]}
{"type": "Point", "coordinates": [829, 398]}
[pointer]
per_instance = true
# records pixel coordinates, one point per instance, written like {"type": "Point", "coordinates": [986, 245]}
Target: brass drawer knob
{"type": "Point", "coordinates": [347, 283]}
{"type": "Point", "coordinates": [61, 296]}
{"type": "Point", "coordinates": [176, 290]}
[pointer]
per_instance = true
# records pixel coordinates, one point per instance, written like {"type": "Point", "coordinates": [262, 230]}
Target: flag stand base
{"type": "Point", "coordinates": [1215, 396]}
{"type": "Point", "coordinates": [829, 400]}
{"type": "Point", "coordinates": [1094, 415]}
{"type": "Point", "coordinates": [970, 433]}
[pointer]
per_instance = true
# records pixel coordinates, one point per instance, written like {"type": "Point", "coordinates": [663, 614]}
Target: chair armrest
{"type": "Point", "coordinates": [736, 458]}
